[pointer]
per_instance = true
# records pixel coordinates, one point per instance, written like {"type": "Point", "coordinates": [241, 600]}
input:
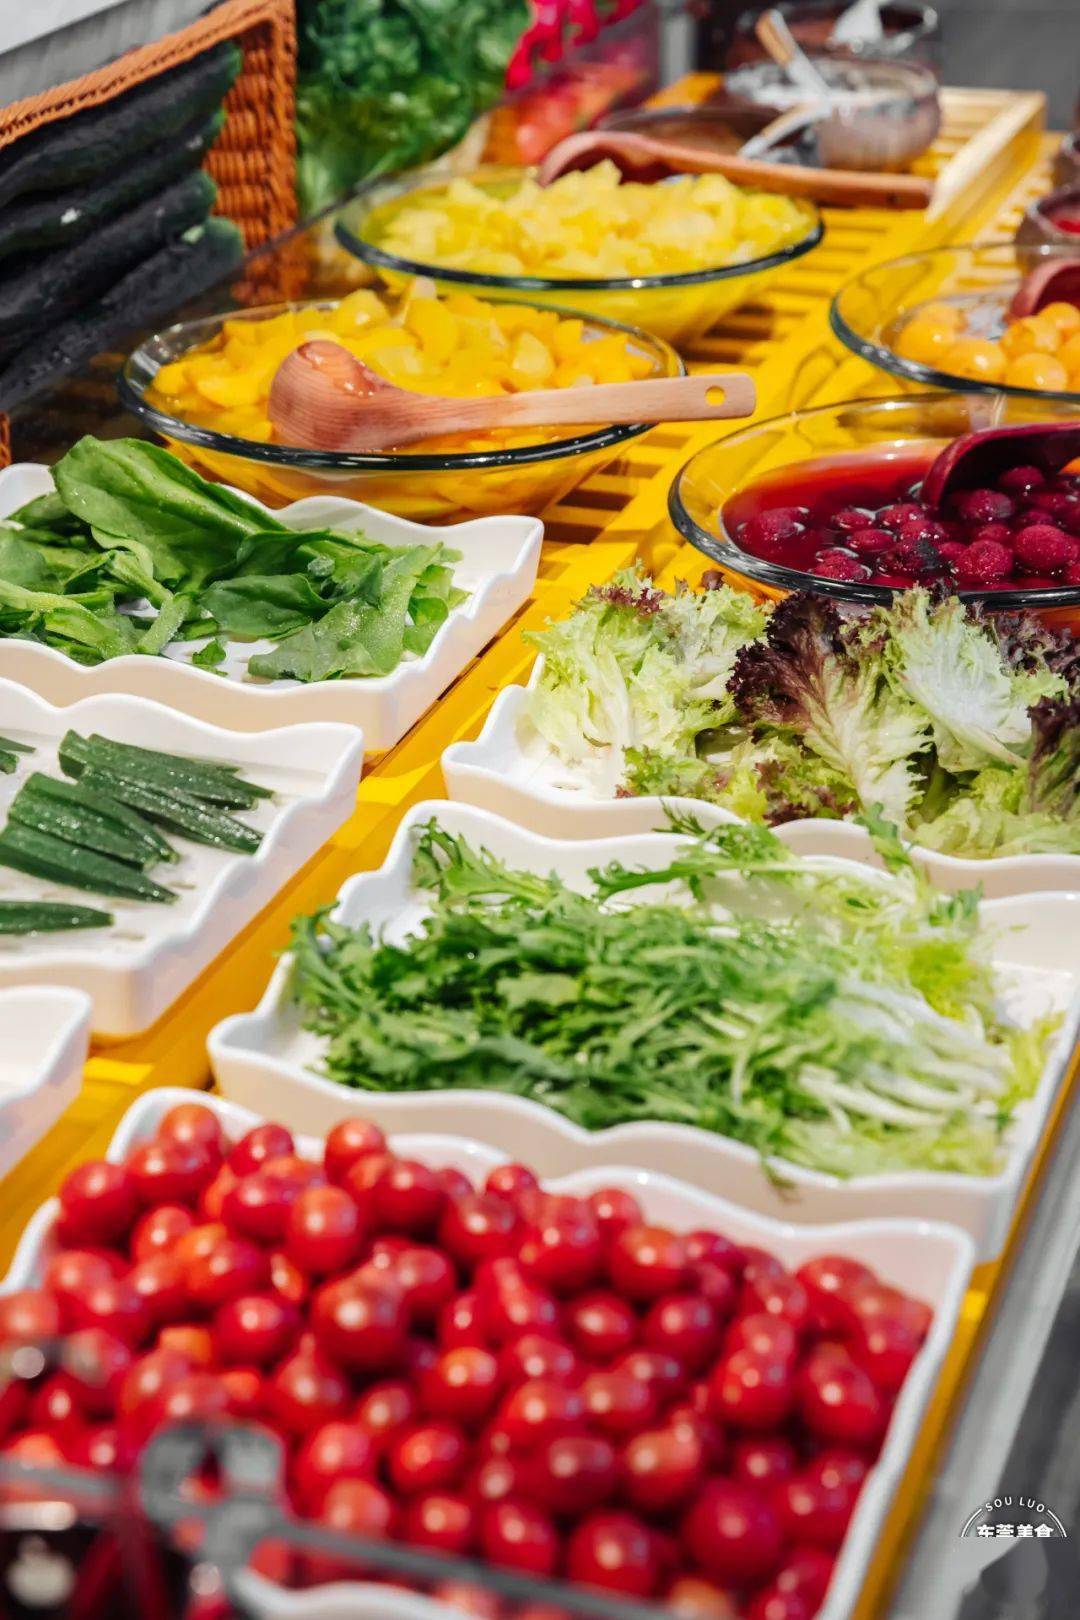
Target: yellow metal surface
{"type": "Point", "coordinates": [617, 514]}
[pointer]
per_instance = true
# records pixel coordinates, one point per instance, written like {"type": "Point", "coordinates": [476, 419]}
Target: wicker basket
{"type": "Point", "coordinates": [253, 160]}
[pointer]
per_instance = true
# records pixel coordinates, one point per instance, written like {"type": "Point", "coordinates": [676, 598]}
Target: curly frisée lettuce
{"type": "Point", "coordinates": [840, 1020]}
{"type": "Point", "coordinates": [961, 728]}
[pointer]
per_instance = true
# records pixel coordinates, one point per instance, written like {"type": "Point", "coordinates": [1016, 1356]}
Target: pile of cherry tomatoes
{"type": "Point", "coordinates": [547, 1382]}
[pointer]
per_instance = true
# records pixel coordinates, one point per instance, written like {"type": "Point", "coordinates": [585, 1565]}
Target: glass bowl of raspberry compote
{"type": "Point", "coordinates": [829, 500]}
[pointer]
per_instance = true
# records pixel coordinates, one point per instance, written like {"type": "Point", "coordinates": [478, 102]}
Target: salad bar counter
{"type": "Point", "coordinates": [581, 1008]}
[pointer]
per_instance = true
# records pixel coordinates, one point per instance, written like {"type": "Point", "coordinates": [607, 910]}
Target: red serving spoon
{"type": "Point", "coordinates": [1055, 283]}
{"type": "Point", "coordinates": [980, 458]}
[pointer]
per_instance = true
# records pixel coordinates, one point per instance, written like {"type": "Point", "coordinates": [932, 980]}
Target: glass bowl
{"type": "Point", "coordinates": [910, 28]}
{"type": "Point", "coordinates": [908, 430]}
{"type": "Point", "coordinates": [979, 278]}
{"type": "Point", "coordinates": [428, 487]}
{"type": "Point", "coordinates": [678, 307]}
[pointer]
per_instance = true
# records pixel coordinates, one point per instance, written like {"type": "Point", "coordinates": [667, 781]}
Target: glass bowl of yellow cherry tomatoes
{"type": "Point", "coordinates": [944, 319]}
{"type": "Point", "coordinates": [671, 255]}
{"type": "Point", "coordinates": [204, 386]}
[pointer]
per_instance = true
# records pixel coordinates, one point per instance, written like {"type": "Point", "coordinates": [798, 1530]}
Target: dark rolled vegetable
{"type": "Point", "coordinates": [41, 855]}
{"type": "Point", "coordinates": [48, 917]}
{"type": "Point", "coordinates": [32, 227]}
{"type": "Point", "coordinates": [44, 291]}
{"type": "Point", "coordinates": [103, 139]}
{"type": "Point", "coordinates": [204, 255]}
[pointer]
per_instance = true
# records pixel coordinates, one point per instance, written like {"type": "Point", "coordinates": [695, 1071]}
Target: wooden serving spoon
{"type": "Point", "coordinates": [323, 398]}
{"type": "Point", "coordinates": [979, 458]}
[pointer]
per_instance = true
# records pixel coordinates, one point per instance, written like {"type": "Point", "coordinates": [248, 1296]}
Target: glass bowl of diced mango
{"type": "Point", "coordinates": [672, 256]}
{"type": "Point", "coordinates": [204, 386]}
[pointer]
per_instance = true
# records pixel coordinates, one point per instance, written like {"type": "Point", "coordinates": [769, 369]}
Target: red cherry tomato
{"type": "Point", "coordinates": [158, 1231]}
{"type": "Point", "coordinates": [360, 1178]}
{"type": "Point", "coordinates": [838, 1400]}
{"type": "Point", "coordinates": [361, 1321]}
{"type": "Point", "coordinates": [102, 1448]}
{"type": "Point", "coordinates": [765, 1335]}
{"type": "Point", "coordinates": [646, 1262]}
{"type": "Point", "coordinates": [760, 1263]}
{"type": "Point", "coordinates": [814, 1511]}
{"type": "Point", "coordinates": [614, 1551]}
{"type": "Point", "coordinates": [535, 1355]}
{"type": "Point", "coordinates": [573, 1474]}
{"type": "Point", "coordinates": [426, 1457]}
{"type": "Point", "coordinates": [55, 1406]}
{"type": "Point", "coordinates": [776, 1294]}
{"type": "Point", "coordinates": [563, 1249]}
{"type": "Point", "coordinates": [660, 1469]}
{"type": "Point", "coordinates": [264, 1142]}
{"type": "Point", "coordinates": [541, 1410]}
{"type": "Point", "coordinates": [245, 1389]}
{"type": "Point", "coordinates": [752, 1391]}
{"type": "Point", "coordinates": [462, 1320]}
{"type": "Point", "coordinates": [509, 1181]}
{"type": "Point", "coordinates": [212, 1198]}
{"type": "Point", "coordinates": [97, 1363]}
{"type": "Point", "coordinates": [385, 1408]}
{"type": "Point", "coordinates": [159, 1283]}
{"type": "Point", "coordinates": [454, 1183]}
{"type": "Point", "coordinates": [496, 1478]}
{"type": "Point", "coordinates": [356, 1507]}
{"type": "Point", "coordinates": [691, 1598]}
{"type": "Point", "coordinates": [28, 1316]}
{"type": "Point", "coordinates": [873, 1300]}
{"type": "Point", "coordinates": [306, 1390]}
{"type": "Point", "coordinates": [826, 1278]}
{"type": "Point", "coordinates": [807, 1571]}
{"type": "Point", "coordinates": [168, 1172]}
{"type": "Point", "coordinates": [772, 1604]}
{"type": "Point", "coordinates": [462, 1384]}
{"type": "Point", "coordinates": [684, 1326]}
{"type": "Point", "coordinates": [34, 1448]}
{"type": "Point", "coordinates": [70, 1272]}
{"type": "Point", "coordinates": [287, 1279]}
{"type": "Point", "coordinates": [335, 1451]}
{"type": "Point", "coordinates": [614, 1210]}
{"type": "Point", "coordinates": [193, 1123]}
{"type": "Point", "coordinates": [114, 1305]}
{"type": "Point", "coordinates": [601, 1325]}
{"type": "Point", "coordinates": [347, 1143]}
{"type": "Point", "coordinates": [195, 1398]}
{"type": "Point", "coordinates": [407, 1198]}
{"type": "Point", "coordinates": [198, 1241]}
{"type": "Point", "coordinates": [662, 1373]}
{"type": "Point", "coordinates": [764, 1461]}
{"type": "Point", "coordinates": [717, 1249]}
{"type": "Point", "coordinates": [618, 1403]}
{"type": "Point", "coordinates": [427, 1280]}
{"type": "Point", "coordinates": [148, 1378]}
{"type": "Point", "coordinates": [97, 1203]}
{"type": "Point", "coordinates": [733, 1533]}
{"type": "Point", "coordinates": [324, 1230]}
{"type": "Point", "coordinates": [517, 1535]}
{"type": "Point", "coordinates": [885, 1347]}
{"type": "Point", "coordinates": [714, 1282]}
{"type": "Point", "coordinates": [478, 1228]}
{"type": "Point", "coordinates": [709, 1434]}
{"type": "Point", "coordinates": [192, 1341]}
{"type": "Point", "coordinates": [440, 1521]}
{"type": "Point", "coordinates": [516, 1308]}
{"type": "Point", "coordinates": [257, 1206]}
{"type": "Point", "coordinates": [232, 1268]}
{"type": "Point", "coordinates": [255, 1328]}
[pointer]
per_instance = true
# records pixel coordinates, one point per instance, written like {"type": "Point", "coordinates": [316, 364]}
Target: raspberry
{"type": "Point", "coordinates": [919, 558]}
{"type": "Point", "coordinates": [921, 528]}
{"type": "Point", "coordinates": [952, 552]}
{"type": "Point", "coordinates": [837, 564]}
{"type": "Point", "coordinates": [895, 516]}
{"type": "Point", "coordinates": [984, 505]}
{"type": "Point", "coordinates": [1051, 502]}
{"type": "Point", "coordinates": [1021, 480]}
{"type": "Point", "coordinates": [984, 561]}
{"type": "Point", "coordinates": [768, 530]}
{"type": "Point", "coordinates": [1072, 574]}
{"type": "Point", "coordinates": [1043, 548]}
{"type": "Point", "coordinates": [868, 542]}
{"type": "Point", "coordinates": [851, 518]}
{"type": "Point", "coordinates": [994, 531]}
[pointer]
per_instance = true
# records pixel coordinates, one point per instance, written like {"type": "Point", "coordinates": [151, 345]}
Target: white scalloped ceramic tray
{"type": "Point", "coordinates": [497, 568]}
{"type": "Point", "coordinates": [511, 770]}
{"type": "Point", "coordinates": [1035, 949]}
{"type": "Point", "coordinates": [926, 1258]}
{"type": "Point", "coordinates": [44, 1035]}
{"type": "Point", "coordinates": [135, 969]}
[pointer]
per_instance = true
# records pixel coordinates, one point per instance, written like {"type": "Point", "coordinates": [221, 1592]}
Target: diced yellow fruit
{"type": "Point", "coordinates": [230, 391]}
{"type": "Point", "coordinates": [532, 363]}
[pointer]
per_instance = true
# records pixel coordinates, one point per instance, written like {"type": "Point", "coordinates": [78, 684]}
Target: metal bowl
{"type": "Point", "coordinates": [1039, 223]}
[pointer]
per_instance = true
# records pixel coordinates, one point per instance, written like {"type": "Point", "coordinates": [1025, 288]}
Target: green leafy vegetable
{"type": "Point", "coordinates": [845, 1022]}
{"type": "Point", "coordinates": [962, 728]}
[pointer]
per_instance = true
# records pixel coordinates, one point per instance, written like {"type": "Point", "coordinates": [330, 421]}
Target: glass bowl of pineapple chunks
{"type": "Point", "coordinates": [672, 256]}
{"type": "Point", "coordinates": [204, 386]}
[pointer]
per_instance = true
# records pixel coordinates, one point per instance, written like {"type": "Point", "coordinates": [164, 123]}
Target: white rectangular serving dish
{"type": "Point", "coordinates": [1035, 949]}
{"type": "Point", "coordinates": [929, 1259]}
{"type": "Point", "coordinates": [511, 770]}
{"type": "Point", "coordinates": [135, 969]}
{"type": "Point", "coordinates": [498, 567]}
{"type": "Point", "coordinates": [44, 1036]}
